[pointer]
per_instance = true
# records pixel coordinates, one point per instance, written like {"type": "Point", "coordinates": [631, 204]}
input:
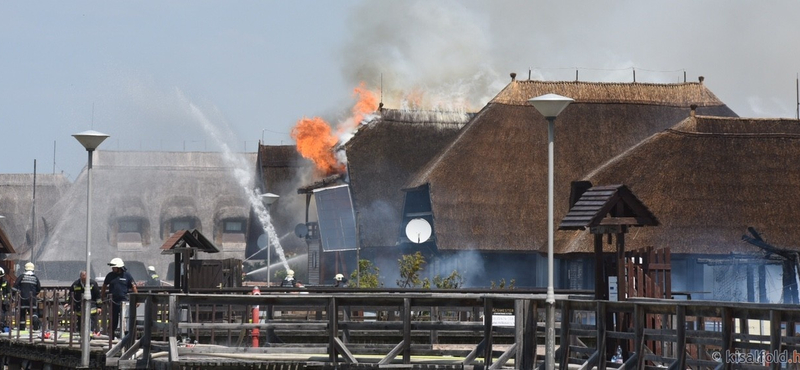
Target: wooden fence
{"type": "Point", "coordinates": [696, 335]}
{"type": "Point", "coordinates": [350, 328]}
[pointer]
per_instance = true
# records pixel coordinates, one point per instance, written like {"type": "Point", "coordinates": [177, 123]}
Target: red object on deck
{"type": "Point", "coordinates": [256, 314]}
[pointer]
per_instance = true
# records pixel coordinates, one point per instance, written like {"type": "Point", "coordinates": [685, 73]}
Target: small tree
{"type": "Point", "coordinates": [410, 266]}
{"type": "Point", "coordinates": [502, 284]}
{"type": "Point", "coordinates": [453, 281]}
{"type": "Point", "coordinates": [369, 277]}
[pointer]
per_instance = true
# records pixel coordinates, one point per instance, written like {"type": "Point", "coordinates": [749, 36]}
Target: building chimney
{"type": "Point", "coordinates": [693, 108]}
{"type": "Point", "coordinates": [577, 188]}
{"type": "Point", "coordinates": [513, 76]}
{"type": "Point", "coordinates": [701, 78]}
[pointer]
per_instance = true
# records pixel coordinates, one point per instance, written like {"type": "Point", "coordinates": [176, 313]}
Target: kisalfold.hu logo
{"type": "Point", "coordinates": [761, 357]}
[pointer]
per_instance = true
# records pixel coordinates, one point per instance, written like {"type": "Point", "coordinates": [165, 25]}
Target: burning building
{"type": "Point", "coordinates": [486, 194]}
{"type": "Point", "coordinates": [382, 154]}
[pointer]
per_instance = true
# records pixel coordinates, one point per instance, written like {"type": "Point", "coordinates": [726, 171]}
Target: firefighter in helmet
{"type": "Point", "coordinates": [289, 280]}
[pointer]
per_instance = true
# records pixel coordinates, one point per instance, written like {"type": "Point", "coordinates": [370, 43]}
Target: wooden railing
{"type": "Point", "coordinates": [698, 335]}
{"type": "Point", "coordinates": [357, 327]}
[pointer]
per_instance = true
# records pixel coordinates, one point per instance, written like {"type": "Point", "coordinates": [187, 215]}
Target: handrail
{"type": "Point", "coordinates": [649, 332]}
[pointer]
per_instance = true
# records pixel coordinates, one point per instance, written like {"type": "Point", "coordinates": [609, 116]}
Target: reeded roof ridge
{"type": "Point", "coordinates": [681, 94]}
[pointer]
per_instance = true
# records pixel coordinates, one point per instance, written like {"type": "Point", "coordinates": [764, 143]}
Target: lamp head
{"type": "Point", "coordinates": [550, 105]}
{"type": "Point", "coordinates": [90, 139]}
{"type": "Point", "coordinates": [269, 198]}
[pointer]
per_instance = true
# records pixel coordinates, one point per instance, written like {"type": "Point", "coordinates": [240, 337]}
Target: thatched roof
{"type": "Point", "coordinates": [16, 204]}
{"type": "Point", "coordinates": [488, 188]}
{"type": "Point", "coordinates": [153, 187]}
{"type": "Point", "coordinates": [708, 179]}
{"type": "Point", "coordinates": [674, 95]}
{"type": "Point", "coordinates": [381, 158]}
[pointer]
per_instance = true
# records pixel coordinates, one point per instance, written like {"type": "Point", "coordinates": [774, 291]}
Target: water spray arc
{"type": "Point", "coordinates": [243, 173]}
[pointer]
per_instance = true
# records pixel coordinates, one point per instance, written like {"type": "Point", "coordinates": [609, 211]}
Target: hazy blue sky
{"type": "Point", "coordinates": [141, 71]}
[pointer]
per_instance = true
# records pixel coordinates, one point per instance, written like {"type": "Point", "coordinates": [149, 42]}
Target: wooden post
{"type": "Point", "coordinates": [406, 331]}
{"type": "Point", "coordinates": [727, 336]}
{"type": "Point", "coordinates": [149, 307]}
{"type": "Point", "coordinates": [622, 288]}
{"type": "Point", "coordinates": [487, 332]}
{"type": "Point", "coordinates": [333, 330]}
{"type": "Point", "coordinates": [774, 336]}
{"type": "Point", "coordinates": [681, 337]}
{"type": "Point", "coordinates": [600, 278]}
{"type": "Point", "coordinates": [600, 324]}
{"type": "Point", "coordinates": [564, 338]}
{"type": "Point", "coordinates": [525, 312]}
{"type": "Point", "coordinates": [173, 330]}
{"type": "Point", "coordinates": [639, 318]}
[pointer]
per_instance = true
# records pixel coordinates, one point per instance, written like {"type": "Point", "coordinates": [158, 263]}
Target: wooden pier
{"type": "Point", "coordinates": [357, 329]}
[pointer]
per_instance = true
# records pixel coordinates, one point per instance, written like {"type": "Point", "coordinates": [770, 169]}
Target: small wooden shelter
{"type": "Point", "coordinates": [606, 210]}
{"type": "Point", "coordinates": [185, 244]}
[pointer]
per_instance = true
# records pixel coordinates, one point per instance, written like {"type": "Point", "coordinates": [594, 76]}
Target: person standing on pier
{"type": "Point", "coordinates": [341, 282]}
{"type": "Point", "coordinates": [119, 282]}
{"type": "Point", "coordinates": [152, 277]}
{"type": "Point", "coordinates": [28, 287]}
{"type": "Point", "coordinates": [77, 289]}
{"type": "Point", "coordinates": [289, 280]}
{"type": "Point", "coordinates": [5, 295]}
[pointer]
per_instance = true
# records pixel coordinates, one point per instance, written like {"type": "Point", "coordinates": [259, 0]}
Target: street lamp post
{"type": "Point", "coordinates": [268, 199]}
{"type": "Point", "coordinates": [90, 140]}
{"type": "Point", "coordinates": [550, 105]}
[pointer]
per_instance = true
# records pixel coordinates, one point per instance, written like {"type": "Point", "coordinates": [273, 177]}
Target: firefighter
{"type": "Point", "coordinates": [28, 287]}
{"type": "Point", "coordinates": [77, 288]}
{"type": "Point", "coordinates": [289, 280]}
{"type": "Point", "coordinates": [5, 295]}
{"type": "Point", "coordinates": [152, 277]}
{"type": "Point", "coordinates": [117, 283]}
{"type": "Point", "coordinates": [341, 282]}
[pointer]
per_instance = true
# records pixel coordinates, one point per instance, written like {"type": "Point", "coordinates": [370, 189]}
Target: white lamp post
{"type": "Point", "coordinates": [268, 199]}
{"type": "Point", "coordinates": [550, 105]}
{"type": "Point", "coordinates": [90, 140]}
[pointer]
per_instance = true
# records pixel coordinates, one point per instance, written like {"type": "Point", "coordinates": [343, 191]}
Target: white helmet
{"type": "Point", "coordinates": [151, 268]}
{"type": "Point", "coordinates": [339, 277]}
{"type": "Point", "coordinates": [2, 272]}
{"type": "Point", "coordinates": [116, 262]}
{"type": "Point", "coordinates": [29, 266]}
{"type": "Point", "coordinates": [289, 273]}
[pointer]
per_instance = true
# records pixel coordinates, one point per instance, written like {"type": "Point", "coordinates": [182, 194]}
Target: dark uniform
{"type": "Point", "coordinates": [5, 295]}
{"type": "Point", "coordinates": [289, 281]}
{"type": "Point", "coordinates": [118, 283]}
{"type": "Point", "coordinates": [29, 287]}
{"type": "Point", "coordinates": [153, 279]}
{"type": "Point", "coordinates": [77, 289]}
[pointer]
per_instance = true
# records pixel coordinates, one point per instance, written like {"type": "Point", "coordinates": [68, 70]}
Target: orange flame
{"type": "Point", "coordinates": [315, 142]}
{"type": "Point", "coordinates": [367, 103]}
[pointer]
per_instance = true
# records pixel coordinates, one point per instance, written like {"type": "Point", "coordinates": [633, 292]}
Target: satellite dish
{"type": "Point", "coordinates": [262, 241]}
{"type": "Point", "coordinates": [301, 230]}
{"type": "Point", "coordinates": [418, 230]}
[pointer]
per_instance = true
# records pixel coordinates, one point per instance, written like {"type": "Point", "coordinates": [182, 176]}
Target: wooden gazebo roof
{"type": "Point", "coordinates": [607, 206]}
{"type": "Point", "coordinates": [188, 239]}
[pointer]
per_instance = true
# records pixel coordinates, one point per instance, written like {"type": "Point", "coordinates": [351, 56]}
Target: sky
{"type": "Point", "coordinates": [140, 71]}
